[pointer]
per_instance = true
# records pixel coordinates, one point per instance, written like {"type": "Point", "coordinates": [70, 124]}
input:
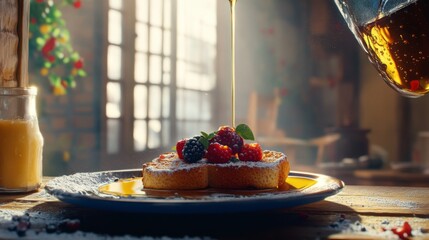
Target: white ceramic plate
{"type": "Point", "coordinates": [83, 189]}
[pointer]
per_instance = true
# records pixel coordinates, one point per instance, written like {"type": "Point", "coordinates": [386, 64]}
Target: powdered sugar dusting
{"type": "Point", "coordinates": [270, 159]}
{"type": "Point", "coordinates": [91, 236]}
{"type": "Point", "coordinates": [169, 163]}
{"type": "Point", "coordinates": [394, 202]}
{"type": "Point", "coordinates": [84, 184]}
{"type": "Point", "coordinates": [381, 230]}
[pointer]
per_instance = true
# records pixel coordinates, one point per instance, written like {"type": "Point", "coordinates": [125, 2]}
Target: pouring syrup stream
{"type": "Point", "coordinates": [232, 5]}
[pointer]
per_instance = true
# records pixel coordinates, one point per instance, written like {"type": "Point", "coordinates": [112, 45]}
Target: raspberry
{"type": "Point", "coordinates": [227, 136]}
{"type": "Point", "coordinates": [179, 147]}
{"type": "Point", "coordinates": [193, 150]}
{"type": "Point", "coordinates": [217, 153]}
{"type": "Point", "coordinates": [251, 152]}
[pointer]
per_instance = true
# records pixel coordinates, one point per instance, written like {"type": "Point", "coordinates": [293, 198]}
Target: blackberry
{"type": "Point", "coordinates": [229, 137]}
{"type": "Point", "coordinates": [197, 137]}
{"type": "Point", "coordinates": [193, 151]}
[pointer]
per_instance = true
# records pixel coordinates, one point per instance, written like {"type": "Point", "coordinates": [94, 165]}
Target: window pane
{"type": "Point", "coordinates": [140, 135]}
{"type": "Point", "coordinates": [142, 10]}
{"type": "Point", "coordinates": [154, 140]}
{"type": "Point", "coordinates": [179, 105]}
{"type": "Point", "coordinates": [180, 73]}
{"type": "Point", "coordinates": [114, 62]}
{"type": "Point", "coordinates": [155, 69]}
{"type": "Point", "coordinates": [210, 35]}
{"type": "Point", "coordinates": [181, 47]}
{"type": "Point", "coordinates": [113, 105]}
{"type": "Point", "coordinates": [187, 105]}
{"type": "Point", "coordinates": [167, 65]}
{"type": "Point", "coordinates": [113, 134]}
{"type": "Point", "coordinates": [166, 102]}
{"type": "Point", "coordinates": [116, 4]}
{"type": "Point", "coordinates": [193, 80]}
{"type": "Point", "coordinates": [196, 45]}
{"type": "Point", "coordinates": [167, 13]}
{"type": "Point", "coordinates": [166, 134]}
{"type": "Point", "coordinates": [192, 105]}
{"type": "Point", "coordinates": [156, 12]}
{"type": "Point", "coordinates": [113, 92]}
{"type": "Point", "coordinates": [155, 45]}
{"type": "Point", "coordinates": [182, 16]}
{"type": "Point", "coordinates": [210, 15]}
{"type": "Point", "coordinates": [140, 101]}
{"type": "Point", "coordinates": [208, 82]}
{"type": "Point", "coordinates": [142, 37]}
{"type": "Point", "coordinates": [166, 78]}
{"type": "Point", "coordinates": [113, 110]}
{"type": "Point", "coordinates": [187, 128]}
{"type": "Point", "coordinates": [140, 68]}
{"type": "Point", "coordinates": [206, 107]}
{"type": "Point", "coordinates": [167, 43]}
{"type": "Point", "coordinates": [115, 27]}
{"type": "Point", "coordinates": [154, 102]}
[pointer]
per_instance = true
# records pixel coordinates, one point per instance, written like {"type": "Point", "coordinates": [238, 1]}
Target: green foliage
{"type": "Point", "coordinates": [50, 48]}
{"type": "Point", "coordinates": [245, 132]}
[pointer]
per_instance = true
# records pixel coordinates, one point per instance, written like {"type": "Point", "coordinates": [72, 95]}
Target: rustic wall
{"type": "Point", "coordinates": [9, 42]}
{"type": "Point", "coordinates": [270, 54]}
{"type": "Point", "coordinates": [71, 124]}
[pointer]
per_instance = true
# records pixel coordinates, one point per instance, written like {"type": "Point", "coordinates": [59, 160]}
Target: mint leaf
{"type": "Point", "coordinates": [205, 142]}
{"type": "Point", "coordinates": [205, 135]}
{"type": "Point", "coordinates": [245, 132]}
{"type": "Point", "coordinates": [211, 135]}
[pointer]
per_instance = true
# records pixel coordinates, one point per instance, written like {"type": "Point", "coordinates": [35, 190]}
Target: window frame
{"type": "Point", "coordinates": [127, 156]}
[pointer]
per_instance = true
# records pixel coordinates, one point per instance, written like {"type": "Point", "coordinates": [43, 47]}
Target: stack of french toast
{"type": "Point", "coordinates": [217, 160]}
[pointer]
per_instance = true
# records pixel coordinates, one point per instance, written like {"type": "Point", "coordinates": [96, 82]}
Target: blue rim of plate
{"type": "Point", "coordinates": [81, 189]}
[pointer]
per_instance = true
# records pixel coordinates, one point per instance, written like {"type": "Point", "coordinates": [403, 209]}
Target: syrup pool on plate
{"type": "Point", "coordinates": [133, 187]}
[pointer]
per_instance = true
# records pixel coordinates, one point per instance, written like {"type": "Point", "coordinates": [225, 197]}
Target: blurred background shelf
{"type": "Point", "coordinates": [382, 177]}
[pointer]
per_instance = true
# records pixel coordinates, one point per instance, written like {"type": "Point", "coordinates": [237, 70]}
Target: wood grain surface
{"type": "Point", "coordinates": [358, 212]}
{"type": "Point", "coordinates": [9, 41]}
{"type": "Point", "coordinates": [14, 35]}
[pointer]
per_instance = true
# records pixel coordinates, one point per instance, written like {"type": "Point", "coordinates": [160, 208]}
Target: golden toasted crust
{"type": "Point", "coordinates": [271, 172]}
{"type": "Point", "coordinates": [169, 172]}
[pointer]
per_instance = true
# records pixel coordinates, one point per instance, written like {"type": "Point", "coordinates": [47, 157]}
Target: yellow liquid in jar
{"type": "Point", "coordinates": [21, 145]}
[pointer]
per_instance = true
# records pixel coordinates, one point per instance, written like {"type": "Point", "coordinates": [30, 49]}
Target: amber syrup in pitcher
{"type": "Point", "coordinates": [398, 45]}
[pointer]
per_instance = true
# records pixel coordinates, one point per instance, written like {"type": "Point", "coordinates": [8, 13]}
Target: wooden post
{"type": "Point", "coordinates": [23, 33]}
{"type": "Point", "coordinates": [14, 23]}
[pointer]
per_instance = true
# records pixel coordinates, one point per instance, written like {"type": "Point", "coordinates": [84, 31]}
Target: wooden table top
{"type": "Point", "coordinates": [358, 212]}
